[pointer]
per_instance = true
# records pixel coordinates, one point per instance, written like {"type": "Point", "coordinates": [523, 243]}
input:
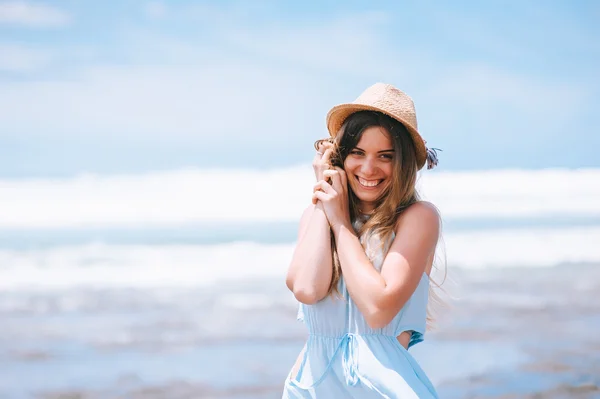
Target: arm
{"type": "Point", "coordinates": [380, 296]}
{"type": "Point", "coordinates": [310, 271]}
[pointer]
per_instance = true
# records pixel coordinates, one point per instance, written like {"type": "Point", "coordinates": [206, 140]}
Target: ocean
{"type": "Point", "coordinates": [171, 284]}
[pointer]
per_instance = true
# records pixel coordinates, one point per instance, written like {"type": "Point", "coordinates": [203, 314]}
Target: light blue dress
{"type": "Point", "coordinates": [345, 358]}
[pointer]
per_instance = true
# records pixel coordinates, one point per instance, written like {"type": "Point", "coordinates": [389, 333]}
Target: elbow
{"type": "Point", "coordinates": [381, 312]}
{"type": "Point", "coordinates": [377, 319]}
{"type": "Point", "coordinates": [306, 292]}
{"type": "Point", "coordinates": [306, 296]}
{"type": "Point", "coordinates": [377, 322]}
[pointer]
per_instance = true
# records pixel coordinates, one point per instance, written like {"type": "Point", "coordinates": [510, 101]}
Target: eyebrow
{"type": "Point", "coordinates": [379, 152]}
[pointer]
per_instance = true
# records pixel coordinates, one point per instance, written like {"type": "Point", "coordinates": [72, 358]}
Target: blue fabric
{"type": "Point", "coordinates": [345, 358]}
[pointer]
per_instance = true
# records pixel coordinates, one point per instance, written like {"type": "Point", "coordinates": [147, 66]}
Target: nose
{"type": "Point", "coordinates": [368, 167]}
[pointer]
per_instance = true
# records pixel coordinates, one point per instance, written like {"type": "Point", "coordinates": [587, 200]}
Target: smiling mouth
{"type": "Point", "coordinates": [368, 183]}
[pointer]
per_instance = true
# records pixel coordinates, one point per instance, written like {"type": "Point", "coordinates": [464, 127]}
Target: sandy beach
{"type": "Point", "coordinates": [512, 333]}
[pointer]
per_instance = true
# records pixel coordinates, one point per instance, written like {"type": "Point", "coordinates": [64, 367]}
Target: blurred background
{"type": "Point", "coordinates": [155, 160]}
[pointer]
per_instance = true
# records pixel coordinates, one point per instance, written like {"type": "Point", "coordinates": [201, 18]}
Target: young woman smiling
{"type": "Point", "coordinates": [365, 250]}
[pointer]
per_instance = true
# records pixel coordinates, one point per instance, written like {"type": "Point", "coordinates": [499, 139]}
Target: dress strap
{"type": "Point", "coordinates": [349, 358]}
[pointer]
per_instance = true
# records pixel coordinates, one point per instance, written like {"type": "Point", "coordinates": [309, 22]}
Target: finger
{"type": "Point", "coordinates": [322, 157]}
{"type": "Point", "coordinates": [323, 186]}
{"type": "Point", "coordinates": [318, 165]}
{"type": "Point", "coordinates": [327, 154]}
{"type": "Point", "coordinates": [336, 180]}
{"type": "Point", "coordinates": [320, 195]}
{"type": "Point", "coordinates": [336, 183]}
{"type": "Point", "coordinates": [317, 158]}
{"type": "Point", "coordinates": [318, 144]}
{"type": "Point", "coordinates": [323, 145]}
{"type": "Point", "coordinates": [328, 175]}
{"type": "Point", "coordinates": [344, 177]}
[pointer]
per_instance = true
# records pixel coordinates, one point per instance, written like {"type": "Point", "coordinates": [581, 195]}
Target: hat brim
{"type": "Point", "coordinates": [338, 115]}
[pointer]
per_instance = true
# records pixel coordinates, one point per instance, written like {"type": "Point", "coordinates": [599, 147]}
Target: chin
{"type": "Point", "coordinates": [366, 197]}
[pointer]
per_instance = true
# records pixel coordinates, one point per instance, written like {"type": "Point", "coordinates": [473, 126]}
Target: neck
{"type": "Point", "coordinates": [366, 209]}
{"type": "Point", "coordinates": [364, 216]}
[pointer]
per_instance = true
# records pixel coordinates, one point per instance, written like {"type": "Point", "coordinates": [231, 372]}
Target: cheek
{"type": "Point", "coordinates": [388, 170]}
{"type": "Point", "coordinates": [349, 165]}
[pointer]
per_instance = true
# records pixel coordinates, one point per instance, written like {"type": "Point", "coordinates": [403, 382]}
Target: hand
{"type": "Point", "coordinates": [334, 196]}
{"type": "Point", "coordinates": [322, 159]}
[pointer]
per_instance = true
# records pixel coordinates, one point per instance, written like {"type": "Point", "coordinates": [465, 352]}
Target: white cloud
{"type": "Point", "coordinates": [266, 77]}
{"type": "Point", "coordinates": [187, 196]}
{"type": "Point", "coordinates": [482, 86]}
{"type": "Point", "coordinates": [20, 58]}
{"type": "Point", "coordinates": [219, 17]}
{"type": "Point", "coordinates": [32, 15]}
{"type": "Point", "coordinates": [205, 101]}
{"type": "Point", "coordinates": [350, 45]}
{"type": "Point", "coordinates": [155, 9]}
{"type": "Point", "coordinates": [186, 88]}
{"type": "Point", "coordinates": [500, 106]}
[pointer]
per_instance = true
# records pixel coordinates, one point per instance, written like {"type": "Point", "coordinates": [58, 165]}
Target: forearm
{"type": "Point", "coordinates": [310, 271]}
{"type": "Point", "coordinates": [365, 285]}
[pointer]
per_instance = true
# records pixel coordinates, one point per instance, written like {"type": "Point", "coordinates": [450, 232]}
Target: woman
{"type": "Point", "coordinates": [365, 249]}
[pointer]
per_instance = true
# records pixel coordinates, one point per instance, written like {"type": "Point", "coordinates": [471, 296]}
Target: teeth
{"type": "Point", "coordinates": [368, 183]}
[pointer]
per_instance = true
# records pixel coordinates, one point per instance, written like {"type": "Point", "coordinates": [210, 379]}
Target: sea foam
{"type": "Point", "coordinates": [178, 197]}
{"type": "Point", "coordinates": [146, 266]}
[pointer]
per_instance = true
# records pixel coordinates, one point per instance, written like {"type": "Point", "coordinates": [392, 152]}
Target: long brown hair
{"type": "Point", "coordinates": [398, 196]}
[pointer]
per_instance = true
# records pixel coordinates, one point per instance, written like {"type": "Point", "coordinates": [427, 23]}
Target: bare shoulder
{"type": "Point", "coordinates": [422, 217]}
{"type": "Point", "coordinates": [410, 255]}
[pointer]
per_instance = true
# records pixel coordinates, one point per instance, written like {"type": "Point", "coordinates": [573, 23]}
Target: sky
{"type": "Point", "coordinates": [130, 87]}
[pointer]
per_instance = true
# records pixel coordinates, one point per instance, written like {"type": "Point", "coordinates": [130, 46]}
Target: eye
{"type": "Point", "coordinates": [356, 152]}
{"type": "Point", "coordinates": [388, 156]}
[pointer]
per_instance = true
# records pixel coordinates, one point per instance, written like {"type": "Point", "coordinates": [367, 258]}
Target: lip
{"type": "Point", "coordinates": [368, 188]}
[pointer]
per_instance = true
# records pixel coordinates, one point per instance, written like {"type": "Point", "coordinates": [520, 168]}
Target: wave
{"type": "Point", "coordinates": [109, 265]}
{"type": "Point", "coordinates": [219, 195]}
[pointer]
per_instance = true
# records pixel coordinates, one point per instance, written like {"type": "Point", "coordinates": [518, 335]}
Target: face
{"type": "Point", "coordinates": [369, 166]}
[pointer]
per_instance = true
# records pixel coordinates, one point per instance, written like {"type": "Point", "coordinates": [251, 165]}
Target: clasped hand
{"type": "Point", "coordinates": [331, 188]}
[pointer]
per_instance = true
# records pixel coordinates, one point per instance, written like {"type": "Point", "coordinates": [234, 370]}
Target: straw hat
{"type": "Point", "coordinates": [389, 100]}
